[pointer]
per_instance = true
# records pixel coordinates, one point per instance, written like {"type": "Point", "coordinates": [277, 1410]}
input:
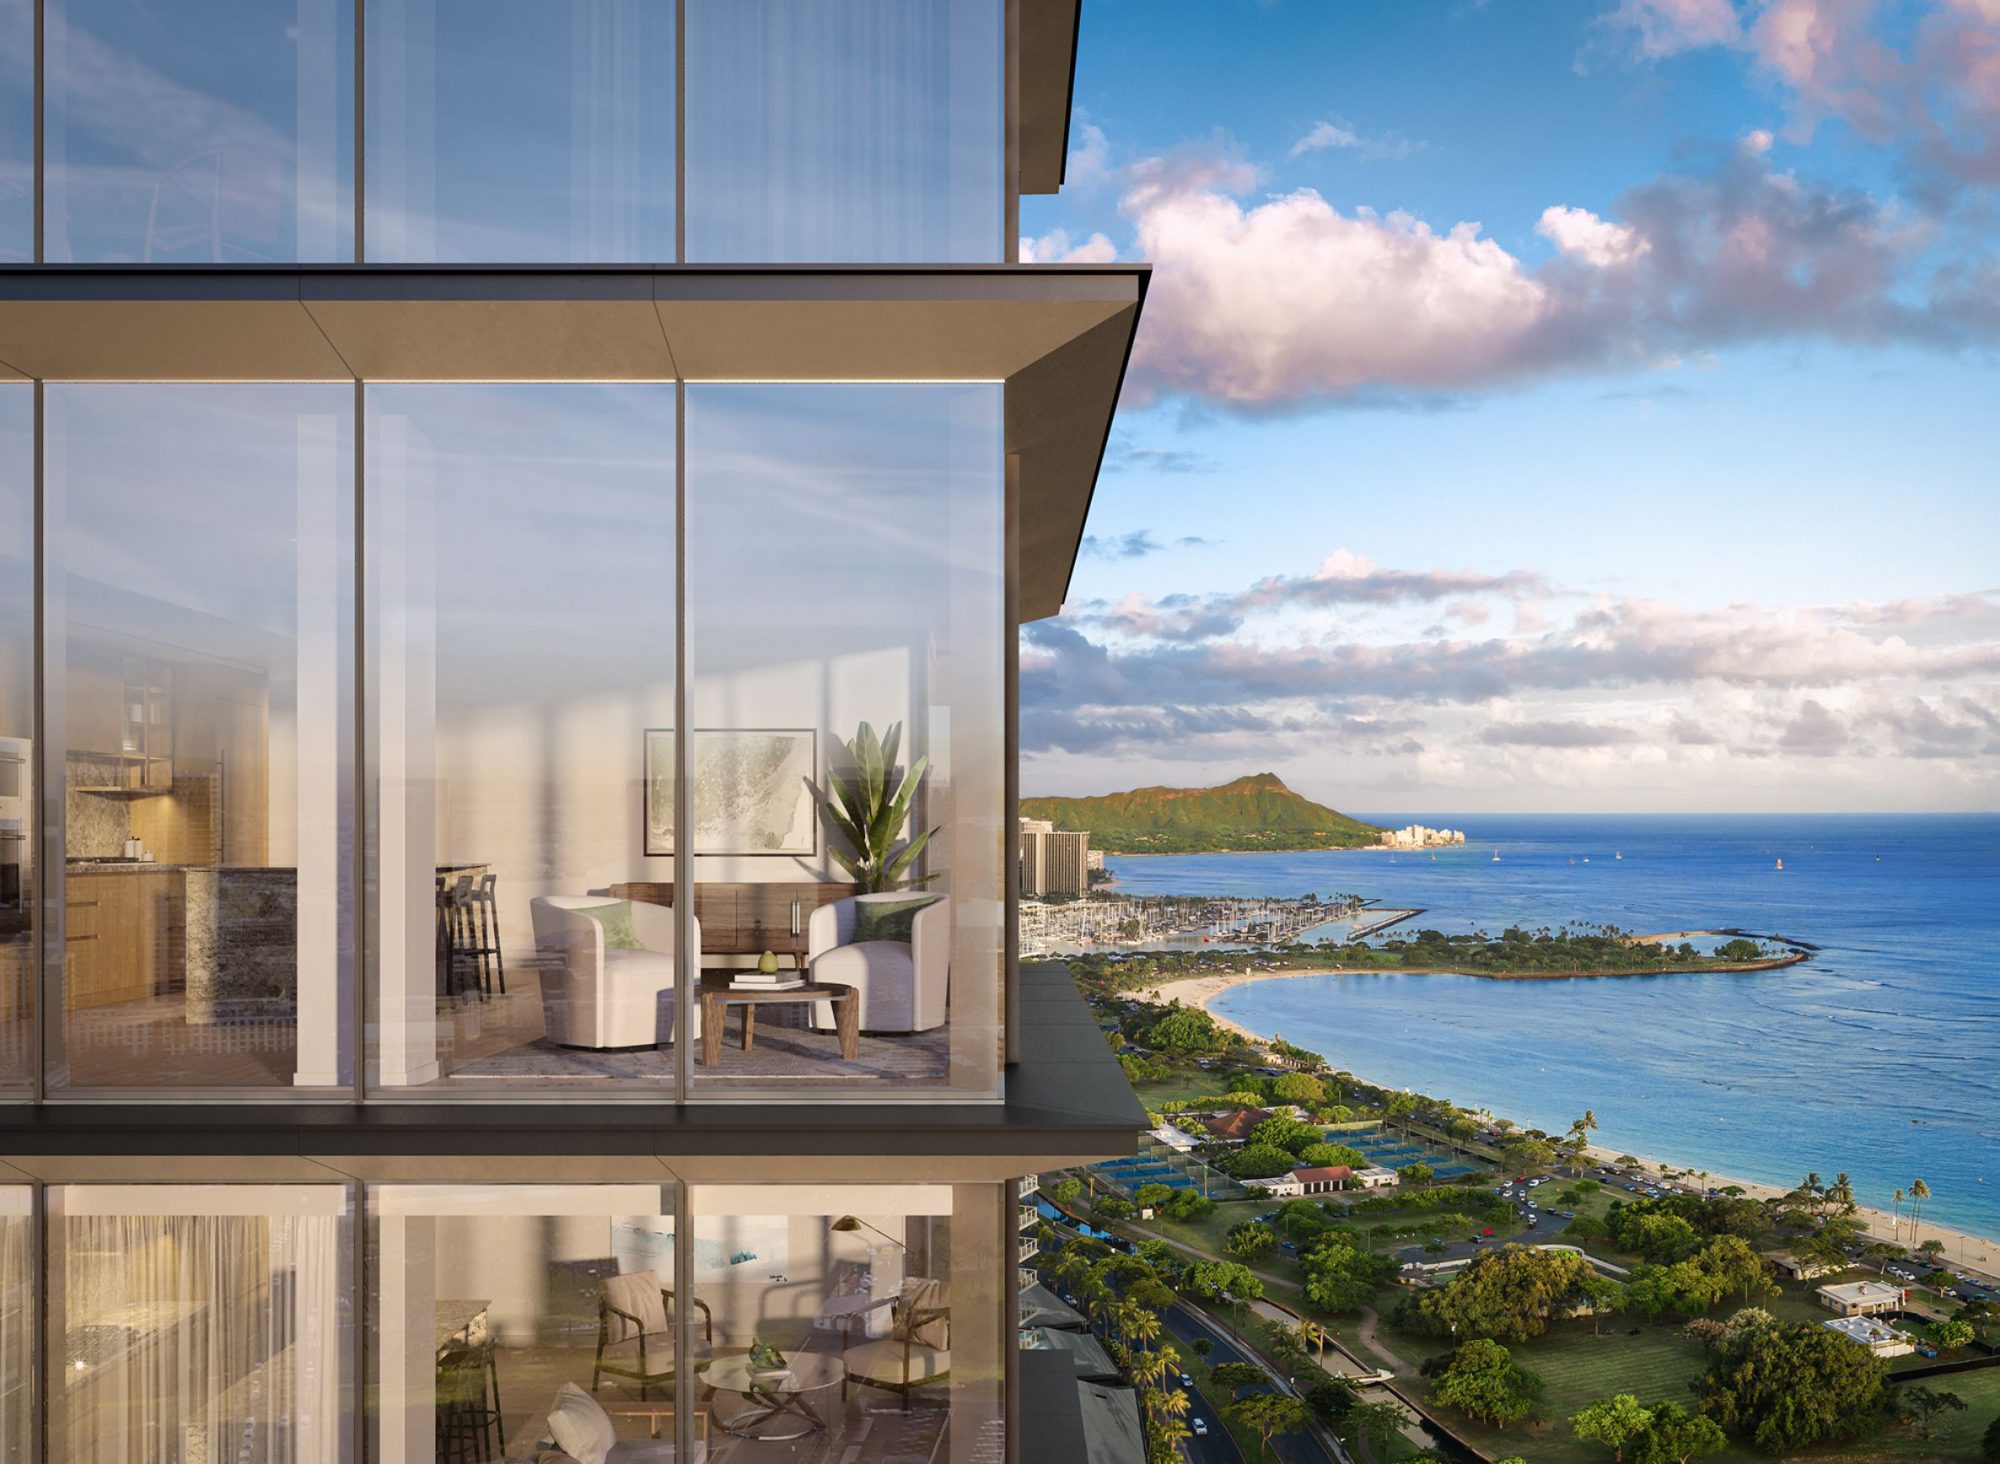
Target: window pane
{"type": "Point", "coordinates": [17, 1323]}
{"type": "Point", "coordinates": [521, 610]}
{"type": "Point", "coordinates": [489, 1299]}
{"type": "Point", "coordinates": [17, 731]}
{"type": "Point", "coordinates": [885, 1303]}
{"type": "Point", "coordinates": [199, 1322]}
{"type": "Point", "coordinates": [845, 130]}
{"type": "Point", "coordinates": [200, 567]}
{"type": "Point", "coordinates": [845, 559]}
{"type": "Point", "coordinates": [520, 131]}
{"type": "Point", "coordinates": [17, 131]}
{"type": "Point", "coordinates": [197, 134]}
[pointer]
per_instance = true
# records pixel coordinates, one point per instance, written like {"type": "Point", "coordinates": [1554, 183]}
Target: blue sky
{"type": "Point", "coordinates": [1540, 405]}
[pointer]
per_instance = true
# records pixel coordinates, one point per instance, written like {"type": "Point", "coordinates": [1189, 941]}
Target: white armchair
{"type": "Point", "coordinates": [901, 987]}
{"type": "Point", "coordinates": [593, 997]}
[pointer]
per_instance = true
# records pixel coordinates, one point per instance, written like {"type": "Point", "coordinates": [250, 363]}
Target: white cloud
{"type": "Point", "coordinates": [1581, 234]}
{"type": "Point", "coordinates": [1661, 28]}
{"type": "Point", "coordinates": [1057, 247]}
{"type": "Point", "coordinates": [1287, 300]}
{"type": "Point", "coordinates": [1336, 135]}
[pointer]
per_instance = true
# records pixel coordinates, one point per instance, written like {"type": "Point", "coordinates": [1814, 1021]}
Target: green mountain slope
{"type": "Point", "coordinates": [1255, 812]}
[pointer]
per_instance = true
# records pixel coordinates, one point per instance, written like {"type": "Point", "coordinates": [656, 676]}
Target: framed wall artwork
{"type": "Point", "coordinates": [754, 790]}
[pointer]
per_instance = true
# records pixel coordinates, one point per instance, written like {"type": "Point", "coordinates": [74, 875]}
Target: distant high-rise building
{"type": "Point", "coordinates": [1053, 861]}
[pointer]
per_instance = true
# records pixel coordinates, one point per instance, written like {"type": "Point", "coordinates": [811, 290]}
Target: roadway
{"type": "Point", "coordinates": [1220, 1448]}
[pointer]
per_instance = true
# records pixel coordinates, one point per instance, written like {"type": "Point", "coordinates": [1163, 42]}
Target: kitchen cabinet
{"type": "Point", "coordinates": [124, 934]}
{"type": "Point", "coordinates": [120, 710]}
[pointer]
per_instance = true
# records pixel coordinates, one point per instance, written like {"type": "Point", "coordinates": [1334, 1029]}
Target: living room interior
{"type": "Point", "coordinates": [844, 643]}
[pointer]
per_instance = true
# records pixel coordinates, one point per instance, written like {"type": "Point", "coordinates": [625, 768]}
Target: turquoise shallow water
{"type": "Point", "coordinates": [1880, 1056]}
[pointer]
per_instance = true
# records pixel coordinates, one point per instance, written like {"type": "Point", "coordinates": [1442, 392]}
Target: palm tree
{"type": "Point", "coordinates": [1841, 1193]}
{"type": "Point", "coordinates": [1143, 1327]}
{"type": "Point", "coordinates": [1919, 1192]}
{"type": "Point", "coordinates": [1312, 1334]}
{"type": "Point", "coordinates": [1896, 1212]}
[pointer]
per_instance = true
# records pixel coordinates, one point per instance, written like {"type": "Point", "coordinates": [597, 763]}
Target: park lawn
{"type": "Point", "coordinates": [1981, 1392]}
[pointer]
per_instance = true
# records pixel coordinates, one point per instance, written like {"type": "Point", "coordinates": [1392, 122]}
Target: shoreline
{"type": "Point", "coordinates": [1963, 1248]}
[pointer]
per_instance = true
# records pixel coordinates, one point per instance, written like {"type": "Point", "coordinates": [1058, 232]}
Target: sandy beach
{"type": "Point", "coordinates": [1978, 1253]}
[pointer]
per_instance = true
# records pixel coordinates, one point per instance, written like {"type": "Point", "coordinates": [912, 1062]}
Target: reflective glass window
{"type": "Point", "coordinates": [201, 1322]}
{"type": "Point", "coordinates": [17, 131]}
{"type": "Point", "coordinates": [18, 1271]}
{"type": "Point", "coordinates": [846, 634]}
{"type": "Point", "coordinates": [520, 131]}
{"type": "Point", "coordinates": [521, 615]}
{"type": "Point", "coordinates": [826, 131]}
{"type": "Point", "coordinates": [214, 133]}
{"type": "Point", "coordinates": [885, 1303]}
{"type": "Point", "coordinates": [198, 705]}
{"type": "Point", "coordinates": [490, 1301]}
{"type": "Point", "coordinates": [18, 823]}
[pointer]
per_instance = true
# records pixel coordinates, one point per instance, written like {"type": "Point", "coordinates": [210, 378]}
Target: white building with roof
{"type": "Point", "coordinates": [1878, 1337]}
{"type": "Point", "coordinates": [1861, 1298]}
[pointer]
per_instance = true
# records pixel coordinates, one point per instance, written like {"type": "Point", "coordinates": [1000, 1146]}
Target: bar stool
{"type": "Point", "coordinates": [466, 1424]}
{"type": "Point", "coordinates": [486, 906]}
{"type": "Point", "coordinates": [459, 919]}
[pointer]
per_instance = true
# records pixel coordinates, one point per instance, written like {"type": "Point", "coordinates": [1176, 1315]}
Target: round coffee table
{"type": "Point", "coordinates": [776, 1406]}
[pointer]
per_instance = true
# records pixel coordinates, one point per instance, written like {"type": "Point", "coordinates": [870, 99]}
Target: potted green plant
{"type": "Point", "coordinates": [868, 809]}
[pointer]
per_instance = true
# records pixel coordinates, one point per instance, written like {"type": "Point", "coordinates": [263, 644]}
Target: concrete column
{"type": "Point", "coordinates": [405, 1275]}
{"type": "Point", "coordinates": [403, 574]}
{"type": "Point", "coordinates": [323, 857]}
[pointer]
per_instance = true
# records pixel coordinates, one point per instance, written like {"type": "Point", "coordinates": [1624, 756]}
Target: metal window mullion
{"type": "Point", "coordinates": [686, 961]}
{"type": "Point", "coordinates": [681, 133]}
{"type": "Point", "coordinates": [36, 166]}
{"type": "Point", "coordinates": [359, 967]}
{"type": "Point", "coordinates": [38, 739]}
{"type": "Point", "coordinates": [360, 127]}
{"type": "Point", "coordinates": [684, 1311]}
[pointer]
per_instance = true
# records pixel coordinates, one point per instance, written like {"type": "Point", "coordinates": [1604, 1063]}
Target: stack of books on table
{"type": "Point", "coordinates": [767, 980]}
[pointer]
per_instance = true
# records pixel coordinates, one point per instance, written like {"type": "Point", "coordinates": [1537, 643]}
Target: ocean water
{"type": "Point", "coordinates": [1880, 1056]}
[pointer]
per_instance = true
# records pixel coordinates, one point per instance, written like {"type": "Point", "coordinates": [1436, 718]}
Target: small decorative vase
{"type": "Point", "coordinates": [768, 963]}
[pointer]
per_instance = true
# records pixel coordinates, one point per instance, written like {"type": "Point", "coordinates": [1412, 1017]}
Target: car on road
{"type": "Point", "coordinates": [1487, 1231]}
{"type": "Point", "coordinates": [1186, 1381]}
{"type": "Point", "coordinates": [1199, 1428]}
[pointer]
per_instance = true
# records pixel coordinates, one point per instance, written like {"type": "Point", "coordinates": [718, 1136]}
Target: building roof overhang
{"type": "Point", "coordinates": [1048, 84]}
{"type": "Point", "coordinates": [1057, 335]}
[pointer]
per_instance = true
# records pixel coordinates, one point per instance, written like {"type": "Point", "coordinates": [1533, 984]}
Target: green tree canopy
{"type": "Point", "coordinates": [1787, 1389]}
{"type": "Point", "coordinates": [1613, 1422]}
{"type": "Point", "coordinates": [1290, 1134]}
{"type": "Point", "coordinates": [1675, 1436]}
{"type": "Point", "coordinates": [1256, 1161]}
{"type": "Point", "coordinates": [1251, 1240]}
{"type": "Point", "coordinates": [1483, 1381]}
{"type": "Point", "coordinates": [1324, 1153]}
{"type": "Point", "coordinates": [1510, 1294]}
{"type": "Point", "coordinates": [1267, 1415]}
{"type": "Point", "coordinates": [1188, 1030]}
{"type": "Point", "coordinates": [1300, 1088]}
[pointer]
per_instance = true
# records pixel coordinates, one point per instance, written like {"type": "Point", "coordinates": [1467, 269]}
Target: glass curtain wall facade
{"type": "Point", "coordinates": [506, 131]}
{"type": "Point", "coordinates": [198, 710]}
{"type": "Point", "coordinates": [521, 784]}
{"type": "Point", "coordinates": [198, 134]}
{"type": "Point", "coordinates": [199, 1322]}
{"type": "Point", "coordinates": [18, 825]}
{"type": "Point", "coordinates": [845, 591]}
{"type": "Point", "coordinates": [514, 130]}
{"type": "Point", "coordinates": [743, 1322]}
{"type": "Point", "coordinates": [822, 130]}
{"type": "Point", "coordinates": [521, 616]}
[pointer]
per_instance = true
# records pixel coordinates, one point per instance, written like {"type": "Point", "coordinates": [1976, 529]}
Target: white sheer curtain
{"type": "Point", "coordinates": [17, 1334]}
{"type": "Point", "coordinates": [195, 1339]}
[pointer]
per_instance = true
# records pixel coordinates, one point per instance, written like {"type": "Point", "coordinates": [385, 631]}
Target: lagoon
{"type": "Point", "coordinates": [1880, 1056]}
